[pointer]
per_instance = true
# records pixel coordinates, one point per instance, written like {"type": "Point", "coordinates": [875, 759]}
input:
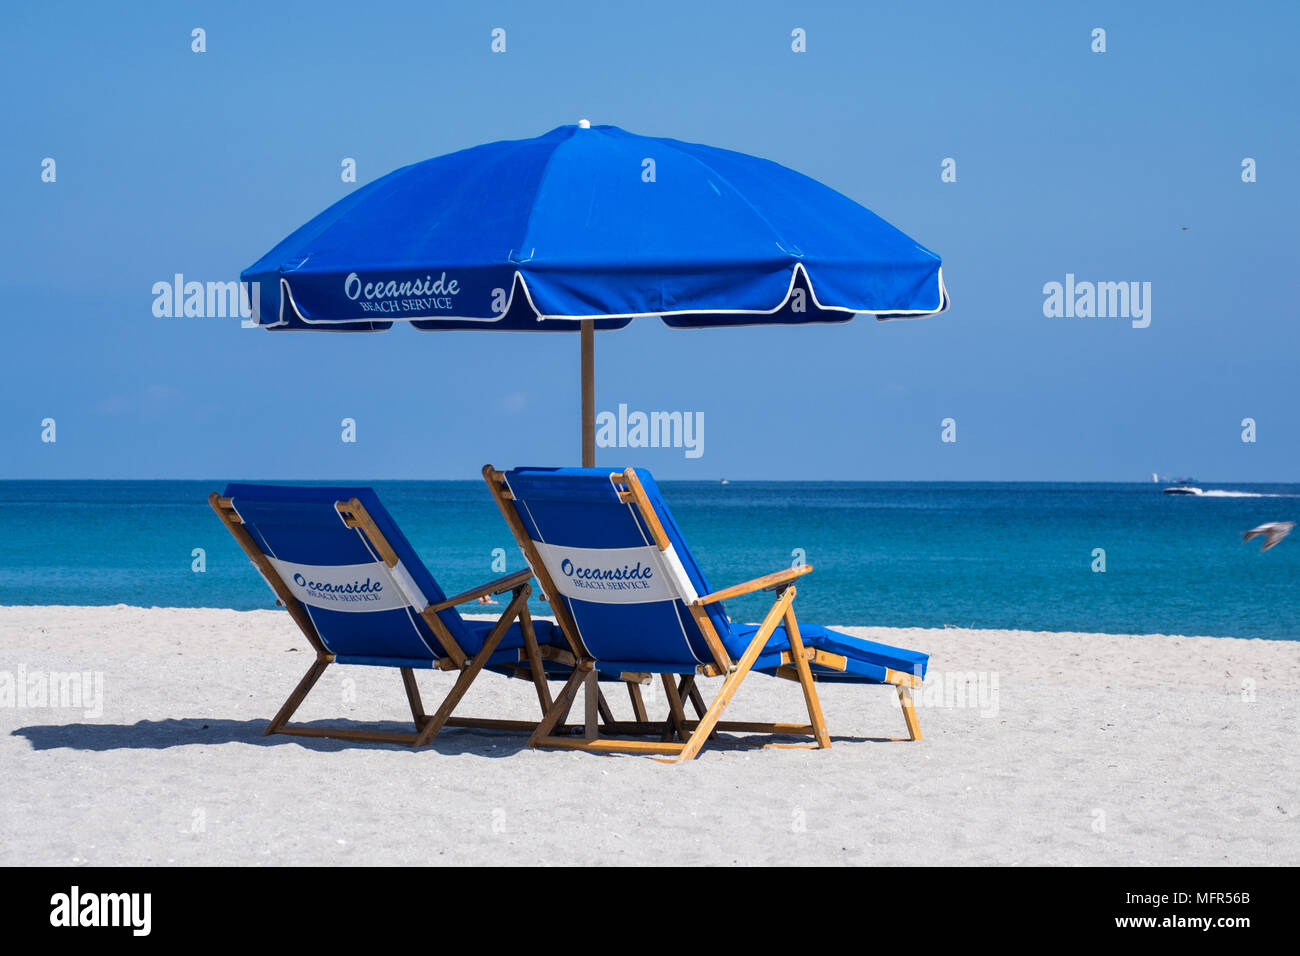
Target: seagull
{"type": "Point", "coordinates": [1272, 533]}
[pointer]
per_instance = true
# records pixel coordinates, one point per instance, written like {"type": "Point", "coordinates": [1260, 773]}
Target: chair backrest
{"type": "Point", "coordinates": [364, 611]}
{"type": "Point", "coordinates": [628, 596]}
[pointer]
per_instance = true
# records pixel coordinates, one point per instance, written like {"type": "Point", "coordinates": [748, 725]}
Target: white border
{"type": "Point", "coordinates": [286, 293]}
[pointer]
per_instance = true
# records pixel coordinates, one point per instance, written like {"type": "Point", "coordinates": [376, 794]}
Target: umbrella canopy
{"type": "Point", "coordinates": [586, 228]}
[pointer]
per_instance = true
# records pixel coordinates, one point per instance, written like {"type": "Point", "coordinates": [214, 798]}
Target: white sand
{"type": "Point", "coordinates": [1100, 750]}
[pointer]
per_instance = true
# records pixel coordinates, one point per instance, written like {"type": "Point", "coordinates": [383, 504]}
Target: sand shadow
{"type": "Point", "coordinates": [183, 732]}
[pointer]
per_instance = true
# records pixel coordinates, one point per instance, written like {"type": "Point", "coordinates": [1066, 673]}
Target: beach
{"type": "Point", "coordinates": [1039, 748]}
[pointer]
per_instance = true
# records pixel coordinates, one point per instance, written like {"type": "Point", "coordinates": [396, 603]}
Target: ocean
{"type": "Point", "coordinates": [898, 554]}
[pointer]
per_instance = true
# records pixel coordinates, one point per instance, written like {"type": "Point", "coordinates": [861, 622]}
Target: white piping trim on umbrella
{"type": "Point", "coordinates": [286, 292]}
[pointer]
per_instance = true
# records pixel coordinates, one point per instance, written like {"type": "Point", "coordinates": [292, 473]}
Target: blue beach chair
{"type": "Point", "coordinates": [627, 592]}
{"type": "Point", "coordinates": [351, 581]}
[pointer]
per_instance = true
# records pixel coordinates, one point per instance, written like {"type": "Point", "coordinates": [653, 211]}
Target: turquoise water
{"type": "Point", "coordinates": [895, 554]}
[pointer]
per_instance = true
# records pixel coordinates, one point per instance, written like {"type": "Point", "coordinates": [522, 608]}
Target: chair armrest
{"type": "Point", "coordinates": [507, 583]}
{"type": "Point", "coordinates": [766, 583]}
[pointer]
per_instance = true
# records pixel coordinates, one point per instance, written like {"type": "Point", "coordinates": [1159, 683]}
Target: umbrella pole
{"type": "Point", "coordinates": [588, 393]}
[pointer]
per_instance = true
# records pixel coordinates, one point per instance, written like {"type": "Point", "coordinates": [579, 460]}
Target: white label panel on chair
{"type": "Point", "coordinates": [343, 587]}
{"type": "Point", "coordinates": [614, 575]}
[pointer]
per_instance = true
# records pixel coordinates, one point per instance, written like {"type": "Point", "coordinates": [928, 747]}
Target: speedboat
{"type": "Point", "coordinates": [1183, 488]}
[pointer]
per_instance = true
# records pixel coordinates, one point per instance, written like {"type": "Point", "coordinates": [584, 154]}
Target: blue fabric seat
{"type": "Point", "coordinates": [300, 529]}
{"type": "Point", "coordinates": [867, 661]}
{"type": "Point", "coordinates": [627, 590]}
{"type": "Point", "coordinates": [578, 511]}
{"type": "Point", "coordinates": [361, 595]}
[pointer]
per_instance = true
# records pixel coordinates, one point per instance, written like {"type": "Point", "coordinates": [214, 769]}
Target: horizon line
{"type": "Point", "coordinates": [719, 479]}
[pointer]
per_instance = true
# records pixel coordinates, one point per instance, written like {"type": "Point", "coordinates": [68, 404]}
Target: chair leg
{"type": "Point", "coordinates": [584, 677]}
{"type": "Point", "coordinates": [676, 715]}
{"type": "Point", "coordinates": [413, 697]}
{"type": "Point", "coordinates": [591, 714]}
{"type": "Point", "coordinates": [563, 716]}
{"type": "Point", "coordinates": [815, 716]}
{"type": "Point", "coordinates": [697, 699]}
{"type": "Point", "coordinates": [909, 712]}
{"type": "Point", "coordinates": [602, 704]}
{"type": "Point", "coordinates": [535, 659]}
{"type": "Point", "coordinates": [638, 703]}
{"type": "Point", "coordinates": [687, 690]}
{"type": "Point", "coordinates": [471, 671]}
{"type": "Point", "coordinates": [560, 708]}
{"type": "Point", "coordinates": [296, 698]}
{"type": "Point", "coordinates": [704, 729]}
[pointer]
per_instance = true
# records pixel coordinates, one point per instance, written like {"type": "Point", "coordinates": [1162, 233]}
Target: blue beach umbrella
{"type": "Point", "coordinates": [586, 228]}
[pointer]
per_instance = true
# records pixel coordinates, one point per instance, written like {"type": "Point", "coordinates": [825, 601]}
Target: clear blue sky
{"type": "Point", "coordinates": [1122, 166]}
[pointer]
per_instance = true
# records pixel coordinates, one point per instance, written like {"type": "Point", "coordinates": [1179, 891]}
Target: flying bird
{"type": "Point", "coordinates": [1272, 532]}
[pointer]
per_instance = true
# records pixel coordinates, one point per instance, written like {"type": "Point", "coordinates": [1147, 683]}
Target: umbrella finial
{"type": "Point", "coordinates": [584, 124]}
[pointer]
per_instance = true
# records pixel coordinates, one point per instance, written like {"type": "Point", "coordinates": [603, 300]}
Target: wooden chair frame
{"type": "Point", "coordinates": [691, 734]}
{"type": "Point", "coordinates": [427, 726]}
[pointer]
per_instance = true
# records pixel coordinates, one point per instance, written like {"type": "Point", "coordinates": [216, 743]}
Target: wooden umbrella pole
{"type": "Point", "coordinates": [588, 393]}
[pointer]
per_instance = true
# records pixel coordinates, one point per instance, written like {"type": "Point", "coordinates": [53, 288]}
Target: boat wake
{"type": "Point", "coordinates": [1220, 493]}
